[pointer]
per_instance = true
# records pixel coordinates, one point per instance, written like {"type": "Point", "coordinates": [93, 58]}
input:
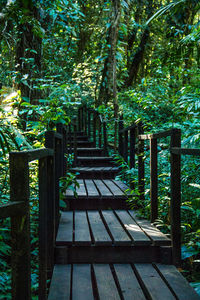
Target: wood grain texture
{"type": "Point", "coordinates": [106, 286]}
{"type": "Point", "coordinates": [82, 282]}
{"type": "Point", "coordinates": [65, 229]}
{"type": "Point", "coordinates": [60, 283]}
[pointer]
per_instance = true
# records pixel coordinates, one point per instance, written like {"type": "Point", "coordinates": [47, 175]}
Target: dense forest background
{"type": "Point", "coordinates": [139, 58]}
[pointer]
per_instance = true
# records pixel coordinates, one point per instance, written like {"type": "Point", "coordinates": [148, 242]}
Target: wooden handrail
{"type": "Point", "coordinates": [12, 209]}
{"type": "Point", "coordinates": [133, 126]}
{"type": "Point", "coordinates": [156, 135]}
{"type": "Point", "coordinates": [35, 154]}
{"type": "Point", "coordinates": [185, 151]}
{"type": "Point", "coordinates": [51, 161]}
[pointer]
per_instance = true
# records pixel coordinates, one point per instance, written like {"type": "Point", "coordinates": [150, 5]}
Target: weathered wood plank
{"type": "Point", "coordinates": [81, 232]}
{"type": "Point", "coordinates": [105, 282]}
{"type": "Point", "coordinates": [114, 188]}
{"type": "Point", "coordinates": [152, 283]}
{"type": "Point", "coordinates": [65, 230]}
{"type": "Point", "coordinates": [100, 234]}
{"type": "Point", "coordinates": [153, 233]}
{"type": "Point", "coordinates": [91, 189]}
{"type": "Point", "coordinates": [136, 233]}
{"type": "Point", "coordinates": [82, 282]}
{"type": "Point", "coordinates": [125, 189]}
{"type": "Point", "coordinates": [104, 191]}
{"type": "Point", "coordinates": [81, 191]}
{"type": "Point", "coordinates": [177, 282]}
{"type": "Point", "coordinates": [128, 282]}
{"type": "Point", "coordinates": [60, 283]}
{"type": "Point", "coordinates": [119, 235]}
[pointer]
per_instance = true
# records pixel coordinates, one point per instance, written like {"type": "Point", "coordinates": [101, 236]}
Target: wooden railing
{"type": "Point", "coordinates": [52, 166]}
{"type": "Point", "coordinates": [176, 152]}
{"type": "Point", "coordinates": [175, 204]}
{"type": "Point", "coordinates": [131, 146]}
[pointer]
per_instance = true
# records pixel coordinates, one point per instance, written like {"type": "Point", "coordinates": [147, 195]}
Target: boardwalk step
{"type": "Point", "coordinates": [85, 144]}
{"type": "Point", "coordinates": [96, 172]}
{"type": "Point", "coordinates": [119, 281]}
{"type": "Point", "coordinates": [97, 194]}
{"type": "Point", "coordinates": [95, 161]}
{"type": "Point", "coordinates": [109, 236]}
{"type": "Point", "coordinates": [90, 152]}
{"type": "Point", "coordinates": [78, 137]}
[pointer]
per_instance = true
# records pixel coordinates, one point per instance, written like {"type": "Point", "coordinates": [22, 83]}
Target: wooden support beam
{"type": "Point", "coordinates": [20, 228]}
{"type": "Point", "coordinates": [126, 146]}
{"type": "Point", "coordinates": [154, 179]}
{"type": "Point", "coordinates": [141, 170]}
{"type": "Point", "coordinates": [121, 126]}
{"type": "Point", "coordinates": [132, 148]}
{"type": "Point", "coordinates": [175, 207]}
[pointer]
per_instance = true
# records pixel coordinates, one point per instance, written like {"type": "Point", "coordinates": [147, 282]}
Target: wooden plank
{"type": "Point", "coordinates": [60, 283]}
{"type": "Point", "coordinates": [82, 282]}
{"type": "Point", "coordinates": [125, 189]}
{"type": "Point", "coordinates": [136, 233]}
{"type": "Point", "coordinates": [116, 191]}
{"type": "Point", "coordinates": [105, 282]}
{"type": "Point", "coordinates": [151, 231]}
{"type": "Point", "coordinates": [152, 283]}
{"type": "Point", "coordinates": [177, 282]}
{"type": "Point", "coordinates": [91, 189]}
{"type": "Point", "coordinates": [107, 169]}
{"type": "Point", "coordinates": [100, 234]}
{"type": "Point", "coordinates": [81, 231]}
{"type": "Point", "coordinates": [119, 235]}
{"type": "Point", "coordinates": [128, 282]}
{"type": "Point", "coordinates": [65, 229]}
{"type": "Point", "coordinates": [81, 191]}
{"type": "Point", "coordinates": [104, 191]}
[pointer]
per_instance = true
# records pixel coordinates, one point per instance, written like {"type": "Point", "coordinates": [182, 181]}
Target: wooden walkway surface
{"type": "Point", "coordinates": [103, 250]}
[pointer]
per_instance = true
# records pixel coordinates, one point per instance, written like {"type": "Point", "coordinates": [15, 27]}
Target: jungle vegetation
{"type": "Point", "coordinates": [139, 58]}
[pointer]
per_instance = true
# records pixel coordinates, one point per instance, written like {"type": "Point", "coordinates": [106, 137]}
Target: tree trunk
{"type": "Point", "coordinates": [108, 86]}
{"type": "Point", "coordinates": [138, 57]}
{"type": "Point", "coordinates": [28, 51]}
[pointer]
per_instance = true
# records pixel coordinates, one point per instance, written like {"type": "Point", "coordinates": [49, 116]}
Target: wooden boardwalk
{"type": "Point", "coordinates": [103, 250]}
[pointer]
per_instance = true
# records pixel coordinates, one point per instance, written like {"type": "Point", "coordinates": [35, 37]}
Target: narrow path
{"type": "Point", "coordinates": [103, 250]}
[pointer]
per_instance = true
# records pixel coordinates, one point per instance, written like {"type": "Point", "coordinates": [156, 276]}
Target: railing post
{"type": "Point", "coordinates": [85, 121]}
{"type": "Point", "coordinates": [154, 179]}
{"type": "Point", "coordinates": [132, 148]}
{"type": "Point", "coordinates": [58, 168]}
{"type": "Point", "coordinates": [121, 126]}
{"type": "Point", "coordinates": [69, 138]}
{"type": "Point", "coordinates": [100, 131]}
{"type": "Point", "coordinates": [175, 207]}
{"type": "Point", "coordinates": [20, 228]}
{"type": "Point", "coordinates": [79, 119]}
{"type": "Point", "coordinates": [75, 145]}
{"type": "Point", "coordinates": [60, 129]}
{"type": "Point", "coordinates": [94, 128]}
{"type": "Point", "coordinates": [105, 144]}
{"type": "Point", "coordinates": [126, 146]}
{"type": "Point", "coordinates": [141, 171]}
{"type": "Point", "coordinates": [89, 123]}
{"type": "Point", "coordinates": [44, 248]}
{"type": "Point", "coordinates": [51, 189]}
